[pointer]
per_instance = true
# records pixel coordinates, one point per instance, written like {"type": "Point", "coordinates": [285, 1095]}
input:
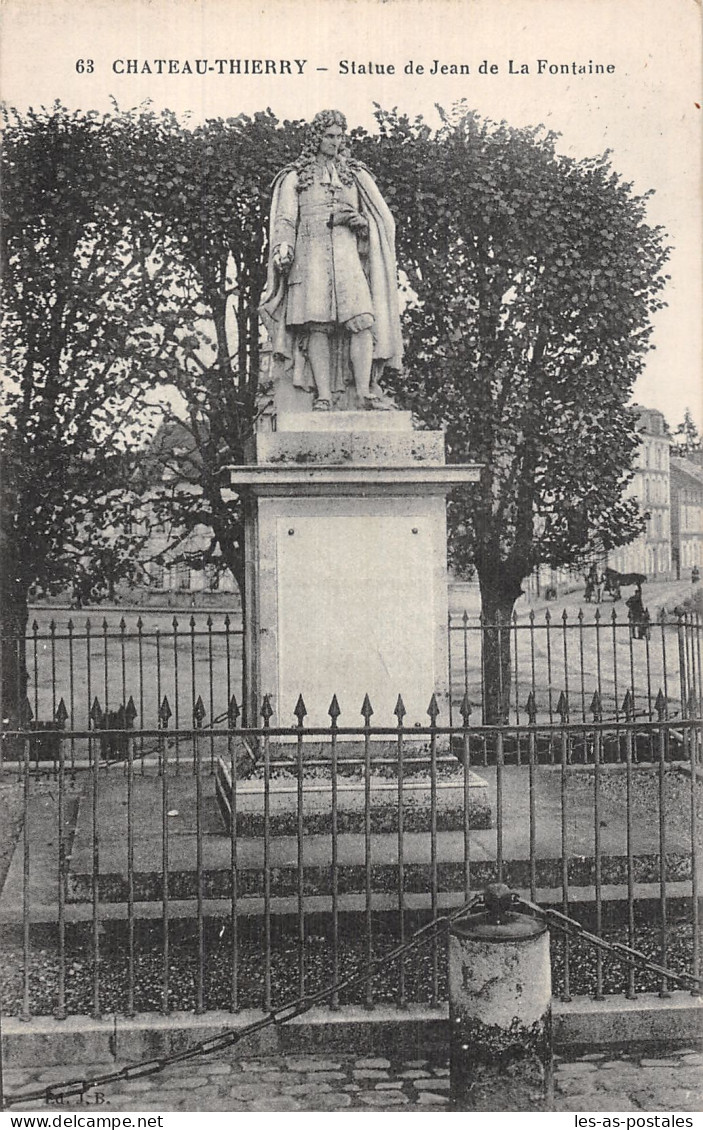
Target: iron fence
{"type": "Point", "coordinates": [214, 865]}
{"type": "Point", "coordinates": [597, 652]}
{"type": "Point", "coordinates": [115, 664]}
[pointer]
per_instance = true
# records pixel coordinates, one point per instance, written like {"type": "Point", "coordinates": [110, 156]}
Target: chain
{"type": "Point", "coordinates": [421, 937]}
{"type": "Point", "coordinates": [56, 1092]}
{"type": "Point", "coordinates": [618, 950]}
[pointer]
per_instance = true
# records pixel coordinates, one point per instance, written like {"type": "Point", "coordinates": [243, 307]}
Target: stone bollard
{"type": "Point", "coordinates": [500, 1009]}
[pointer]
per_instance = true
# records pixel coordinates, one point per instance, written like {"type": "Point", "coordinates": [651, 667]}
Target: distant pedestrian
{"type": "Point", "coordinates": [695, 575]}
{"type": "Point", "coordinates": [638, 616]}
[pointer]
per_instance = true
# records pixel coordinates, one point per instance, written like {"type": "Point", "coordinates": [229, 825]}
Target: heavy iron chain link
{"type": "Point", "coordinates": [619, 950]}
{"type": "Point", "coordinates": [57, 1092]}
{"type": "Point", "coordinates": [497, 899]}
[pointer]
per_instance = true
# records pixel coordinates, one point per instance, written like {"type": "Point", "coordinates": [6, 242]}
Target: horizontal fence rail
{"type": "Point", "coordinates": [197, 863]}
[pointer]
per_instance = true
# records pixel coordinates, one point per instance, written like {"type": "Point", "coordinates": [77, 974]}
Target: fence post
{"type": "Point", "coordinates": [500, 1009]}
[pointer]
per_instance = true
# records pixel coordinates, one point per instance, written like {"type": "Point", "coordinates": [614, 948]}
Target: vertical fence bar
{"type": "Point", "coordinates": [599, 662]}
{"type": "Point", "coordinates": [693, 738]}
{"type": "Point", "coordinates": [563, 712]}
{"type": "Point", "coordinates": [597, 711]}
{"type": "Point", "coordinates": [26, 1011]}
{"type": "Point", "coordinates": [123, 662]}
{"type": "Point", "coordinates": [106, 682]}
{"type": "Point", "coordinates": [95, 820]}
{"type": "Point", "coordinates": [164, 715]}
{"type": "Point", "coordinates": [582, 670]}
{"type": "Point", "coordinates": [300, 713]}
{"type": "Point", "coordinates": [500, 754]}
{"type": "Point", "coordinates": [648, 671]}
{"type": "Point", "coordinates": [700, 670]}
{"type": "Point", "coordinates": [433, 712]}
{"type": "Point", "coordinates": [550, 703]}
{"type": "Point", "coordinates": [193, 689]}
{"type": "Point", "coordinates": [631, 649]}
{"type": "Point", "coordinates": [52, 634]}
{"type": "Point", "coordinates": [565, 642]}
{"type": "Point", "coordinates": [516, 679]}
{"type": "Point", "coordinates": [198, 715]}
{"type": "Point", "coordinates": [628, 712]}
{"type": "Point", "coordinates": [465, 711]}
{"type": "Point", "coordinates": [176, 697]}
{"type": "Point", "coordinates": [450, 665]}
{"type": "Point", "coordinates": [690, 667]}
{"type": "Point", "coordinates": [140, 664]}
{"type": "Point", "coordinates": [400, 713]}
{"type": "Point", "coordinates": [367, 712]}
{"type": "Point", "coordinates": [71, 692]}
{"type": "Point", "coordinates": [157, 648]}
{"type": "Point", "coordinates": [266, 713]}
{"type": "Point", "coordinates": [211, 692]}
{"type": "Point", "coordinates": [531, 708]}
{"type": "Point", "coordinates": [465, 649]}
{"type": "Point", "coordinates": [683, 690]}
{"type": "Point", "coordinates": [482, 636]}
{"type": "Point", "coordinates": [61, 715]}
{"type": "Point", "coordinates": [665, 678]}
{"type": "Point", "coordinates": [663, 912]}
{"type": "Point", "coordinates": [228, 661]}
{"type": "Point", "coordinates": [334, 713]}
{"type": "Point", "coordinates": [35, 641]}
{"type": "Point", "coordinates": [532, 650]}
{"type": "Point", "coordinates": [232, 716]}
{"type": "Point", "coordinates": [614, 628]}
{"type": "Point", "coordinates": [499, 804]}
{"type": "Point", "coordinates": [128, 714]}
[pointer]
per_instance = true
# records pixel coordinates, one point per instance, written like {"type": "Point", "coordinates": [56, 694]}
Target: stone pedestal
{"type": "Point", "coordinates": [346, 566]}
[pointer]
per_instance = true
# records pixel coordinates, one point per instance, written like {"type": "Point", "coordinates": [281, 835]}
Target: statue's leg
{"type": "Point", "coordinates": [361, 353]}
{"type": "Point", "coordinates": [319, 358]}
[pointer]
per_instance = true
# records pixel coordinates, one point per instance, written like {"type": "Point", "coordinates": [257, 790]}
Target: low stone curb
{"type": "Point", "coordinates": [380, 1032]}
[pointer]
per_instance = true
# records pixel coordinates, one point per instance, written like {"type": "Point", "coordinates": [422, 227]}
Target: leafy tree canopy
{"type": "Point", "coordinates": [134, 254]}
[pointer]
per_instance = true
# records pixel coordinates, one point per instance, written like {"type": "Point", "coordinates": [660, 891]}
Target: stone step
{"type": "Point", "coordinates": [383, 797]}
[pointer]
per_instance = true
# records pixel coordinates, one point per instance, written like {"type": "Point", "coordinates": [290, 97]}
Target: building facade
{"type": "Point", "coordinates": [651, 552]}
{"type": "Point", "coordinates": [686, 512]}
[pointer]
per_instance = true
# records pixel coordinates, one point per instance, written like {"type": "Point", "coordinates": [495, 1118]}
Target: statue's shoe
{"type": "Point", "coordinates": [321, 405]}
{"type": "Point", "coordinates": [376, 404]}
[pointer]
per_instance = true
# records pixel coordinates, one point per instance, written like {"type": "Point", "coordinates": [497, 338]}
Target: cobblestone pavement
{"type": "Point", "coordinates": [593, 1082]}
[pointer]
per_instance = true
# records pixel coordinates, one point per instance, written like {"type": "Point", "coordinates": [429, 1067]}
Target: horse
{"type": "Point", "coordinates": [614, 581]}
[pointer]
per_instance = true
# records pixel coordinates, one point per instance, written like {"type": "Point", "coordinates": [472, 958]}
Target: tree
{"type": "Point", "coordinates": [211, 198]}
{"type": "Point", "coordinates": [81, 294]}
{"type": "Point", "coordinates": [534, 277]}
{"type": "Point", "coordinates": [687, 434]}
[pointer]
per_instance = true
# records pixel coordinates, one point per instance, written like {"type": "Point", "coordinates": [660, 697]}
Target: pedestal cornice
{"type": "Point", "coordinates": [287, 478]}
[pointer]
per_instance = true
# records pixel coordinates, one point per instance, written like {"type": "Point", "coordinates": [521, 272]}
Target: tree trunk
{"type": "Point", "coordinates": [498, 596]}
{"type": "Point", "coordinates": [13, 654]}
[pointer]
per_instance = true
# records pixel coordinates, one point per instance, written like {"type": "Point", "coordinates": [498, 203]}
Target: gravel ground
{"type": "Point", "coordinates": [285, 969]}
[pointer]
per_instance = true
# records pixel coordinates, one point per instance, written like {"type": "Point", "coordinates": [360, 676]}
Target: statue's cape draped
{"type": "Point", "coordinates": [383, 284]}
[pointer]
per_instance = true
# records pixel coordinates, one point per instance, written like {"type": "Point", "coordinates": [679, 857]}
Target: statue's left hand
{"type": "Point", "coordinates": [358, 223]}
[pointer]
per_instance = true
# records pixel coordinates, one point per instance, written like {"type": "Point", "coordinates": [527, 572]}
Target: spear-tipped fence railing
{"type": "Point", "coordinates": [575, 654]}
{"type": "Point", "coordinates": [335, 837]}
{"type": "Point", "coordinates": [136, 664]}
{"type": "Point", "coordinates": [331, 838]}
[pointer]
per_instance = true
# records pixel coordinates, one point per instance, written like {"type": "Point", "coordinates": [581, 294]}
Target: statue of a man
{"type": "Point", "coordinates": [331, 298]}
